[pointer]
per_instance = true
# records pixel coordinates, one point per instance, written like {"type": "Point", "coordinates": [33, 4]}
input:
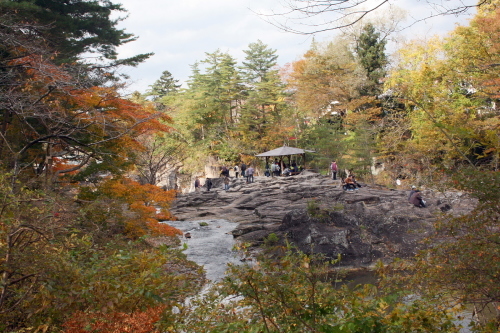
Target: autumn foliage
{"type": "Point", "coordinates": [145, 206]}
{"type": "Point", "coordinates": [115, 322]}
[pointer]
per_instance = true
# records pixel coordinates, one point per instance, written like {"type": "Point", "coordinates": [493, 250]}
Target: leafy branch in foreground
{"type": "Point", "coordinates": [299, 293]}
{"type": "Point", "coordinates": [462, 265]}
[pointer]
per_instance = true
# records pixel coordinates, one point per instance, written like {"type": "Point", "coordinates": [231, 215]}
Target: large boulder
{"type": "Point", "coordinates": [358, 234]}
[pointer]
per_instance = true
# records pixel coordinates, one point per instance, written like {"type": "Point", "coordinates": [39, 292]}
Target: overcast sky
{"type": "Point", "coordinates": [179, 32]}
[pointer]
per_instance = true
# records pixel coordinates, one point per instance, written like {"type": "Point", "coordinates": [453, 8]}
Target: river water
{"type": "Point", "coordinates": [210, 246]}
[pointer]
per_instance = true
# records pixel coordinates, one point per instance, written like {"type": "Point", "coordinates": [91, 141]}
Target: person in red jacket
{"type": "Point", "coordinates": [334, 168]}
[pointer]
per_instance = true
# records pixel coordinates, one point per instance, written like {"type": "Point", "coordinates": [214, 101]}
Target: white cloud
{"type": "Point", "coordinates": [180, 32]}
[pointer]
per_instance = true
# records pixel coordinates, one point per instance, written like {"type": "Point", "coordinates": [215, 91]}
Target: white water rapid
{"type": "Point", "coordinates": [210, 245]}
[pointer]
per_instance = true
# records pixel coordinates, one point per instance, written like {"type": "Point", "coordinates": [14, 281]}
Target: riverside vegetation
{"type": "Point", "coordinates": [81, 246]}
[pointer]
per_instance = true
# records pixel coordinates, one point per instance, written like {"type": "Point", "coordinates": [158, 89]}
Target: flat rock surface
{"type": "Point", "coordinates": [315, 213]}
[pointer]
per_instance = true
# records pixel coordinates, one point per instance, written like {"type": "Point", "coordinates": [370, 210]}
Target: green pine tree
{"type": "Point", "coordinates": [370, 49]}
{"type": "Point", "coordinates": [259, 60]}
{"type": "Point", "coordinates": [75, 27]}
{"type": "Point", "coordinates": [164, 86]}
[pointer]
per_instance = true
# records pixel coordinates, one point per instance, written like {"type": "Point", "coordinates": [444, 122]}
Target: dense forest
{"type": "Point", "coordinates": [81, 245]}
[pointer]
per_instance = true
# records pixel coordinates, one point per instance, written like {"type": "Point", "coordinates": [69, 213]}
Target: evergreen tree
{"type": "Point", "coordinates": [370, 49]}
{"type": "Point", "coordinates": [258, 61]}
{"type": "Point", "coordinates": [208, 109]}
{"type": "Point", "coordinates": [74, 27]}
{"type": "Point", "coordinates": [165, 85]}
{"type": "Point", "coordinates": [259, 125]}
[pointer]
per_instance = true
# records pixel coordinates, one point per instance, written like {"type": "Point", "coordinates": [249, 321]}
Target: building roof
{"type": "Point", "coordinates": [285, 151]}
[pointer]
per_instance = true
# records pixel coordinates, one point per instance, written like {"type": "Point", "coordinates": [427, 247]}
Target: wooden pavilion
{"type": "Point", "coordinates": [285, 151]}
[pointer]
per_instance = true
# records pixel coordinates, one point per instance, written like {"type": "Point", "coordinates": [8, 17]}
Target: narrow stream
{"type": "Point", "coordinates": [210, 245]}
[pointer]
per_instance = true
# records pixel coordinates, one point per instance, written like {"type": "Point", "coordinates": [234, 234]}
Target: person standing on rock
{"type": "Point", "coordinates": [267, 173]}
{"type": "Point", "coordinates": [249, 174]}
{"type": "Point", "coordinates": [197, 185]}
{"type": "Point", "coordinates": [208, 184]}
{"type": "Point", "coordinates": [236, 171]}
{"type": "Point", "coordinates": [224, 172]}
{"type": "Point", "coordinates": [243, 169]}
{"type": "Point", "coordinates": [226, 183]}
{"type": "Point", "coordinates": [273, 169]}
{"type": "Point", "coordinates": [334, 168]}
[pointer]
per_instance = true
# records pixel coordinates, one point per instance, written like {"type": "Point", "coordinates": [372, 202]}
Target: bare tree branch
{"type": "Point", "coordinates": [309, 17]}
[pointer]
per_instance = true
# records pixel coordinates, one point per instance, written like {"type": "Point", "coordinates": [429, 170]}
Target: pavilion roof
{"type": "Point", "coordinates": [285, 151]}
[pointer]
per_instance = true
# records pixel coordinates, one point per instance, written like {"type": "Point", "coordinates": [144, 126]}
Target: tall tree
{"type": "Point", "coordinates": [48, 112]}
{"type": "Point", "coordinates": [259, 60]}
{"type": "Point", "coordinates": [164, 86]}
{"type": "Point", "coordinates": [451, 113]}
{"type": "Point", "coordinates": [370, 49]}
{"type": "Point", "coordinates": [260, 126]}
{"type": "Point", "coordinates": [74, 27]}
{"type": "Point", "coordinates": [327, 75]}
{"type": "Point", "coordinates": [206, 112]}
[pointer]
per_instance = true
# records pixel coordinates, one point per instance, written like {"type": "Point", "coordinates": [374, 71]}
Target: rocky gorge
{"type": "Point", "coordinates": [314, 212]}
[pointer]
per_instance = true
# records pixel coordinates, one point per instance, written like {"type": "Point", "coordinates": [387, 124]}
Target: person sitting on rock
{"type": "Point", "coordinates": [350, 185]}
{"type": "Point", "coordinates": [416, 199]}
{"type": "Point", "coordinates": [356, 184]}
{"type": "Point", "coordinates": [286, 172]}
{"type": "Point", "coordinates": [413, 190]}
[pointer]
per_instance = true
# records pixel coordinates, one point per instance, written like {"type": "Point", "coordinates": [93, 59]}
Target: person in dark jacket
{"type": "Point", "coordinates": [208, 184]}
{"type": "Point", "coordinates": [416, 199]}
{"type": "Point", "coordinates": [413, 190]}
{"type": "Point", "coordinates": [197, 185]}
{"type": "Point", "coordinates": [243, 168]}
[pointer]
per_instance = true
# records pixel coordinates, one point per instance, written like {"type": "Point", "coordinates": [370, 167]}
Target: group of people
{"type": "Point", "coordinates": [247, 172]}
{"type": "Point", "coordinates": [275, 169]}
{"type": "Point", "coordinates": [350, 183]}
